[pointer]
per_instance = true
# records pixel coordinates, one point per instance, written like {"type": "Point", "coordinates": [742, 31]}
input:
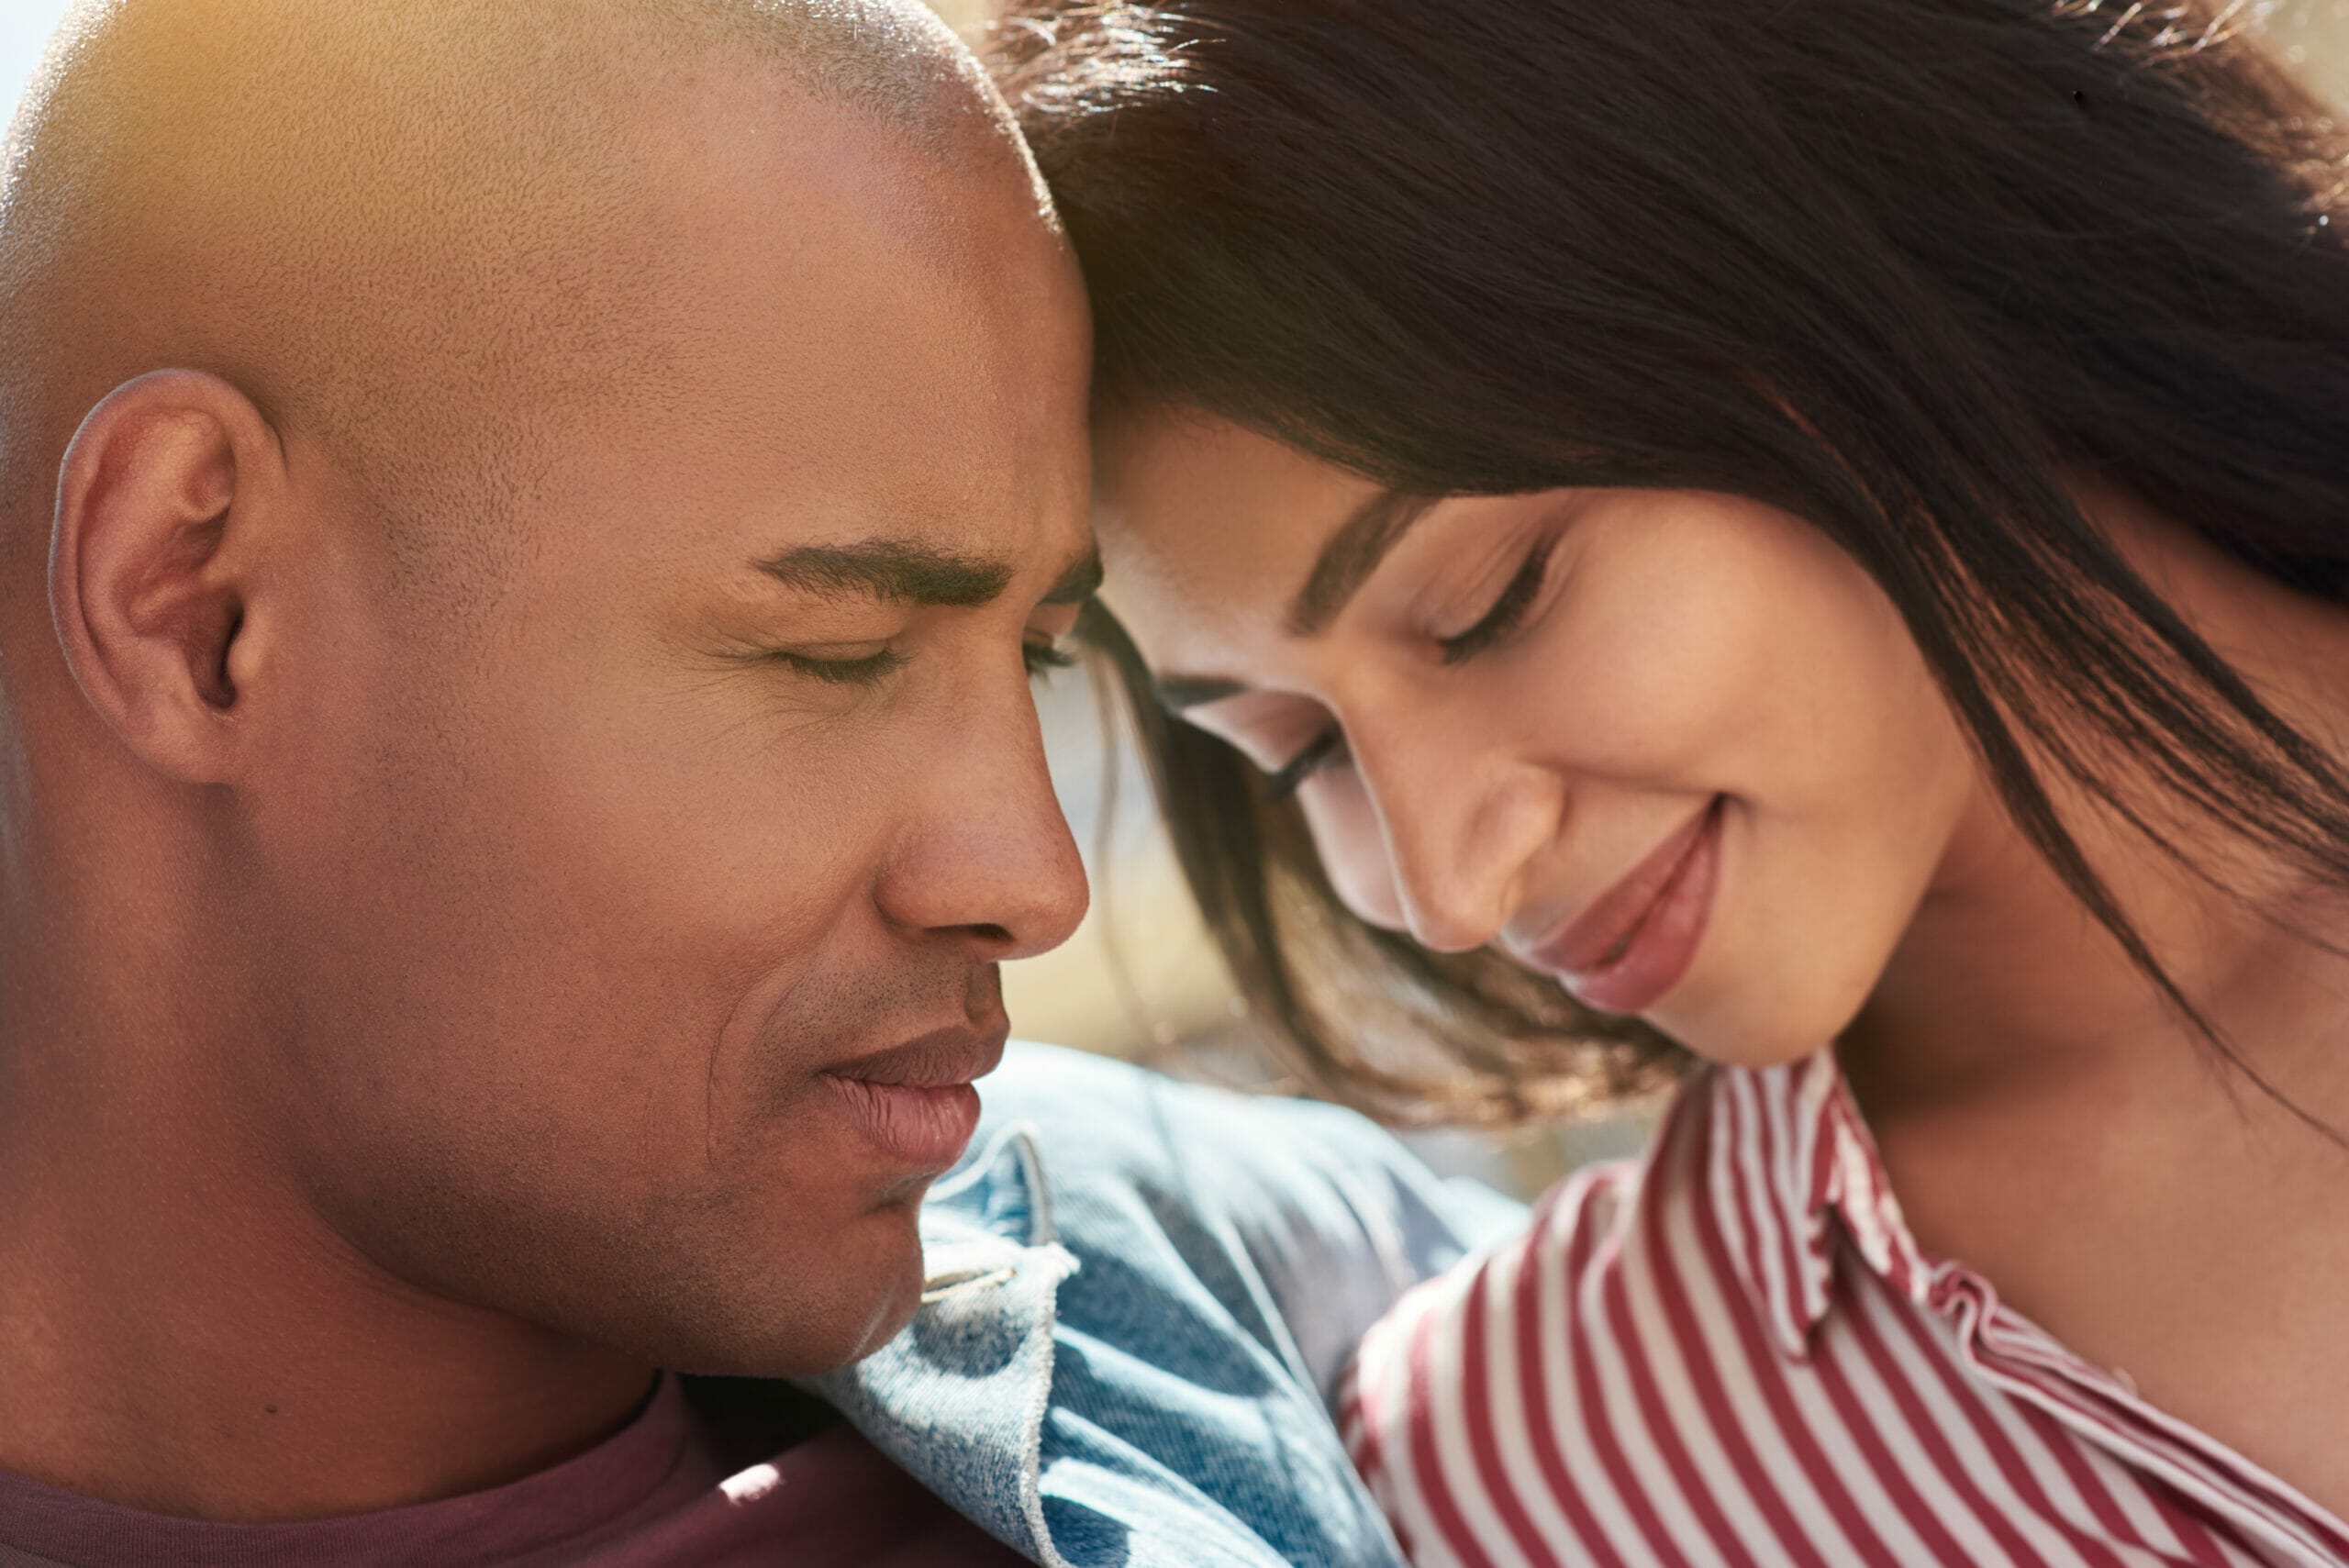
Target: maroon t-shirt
{"type": "Point", "coordinates": [659, 1493]}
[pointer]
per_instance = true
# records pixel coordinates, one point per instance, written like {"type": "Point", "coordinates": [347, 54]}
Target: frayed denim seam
{"type": "Point", "coordinates": [1051, 1263]}
{"type": "Point", "coordinates": [1044, 1236]}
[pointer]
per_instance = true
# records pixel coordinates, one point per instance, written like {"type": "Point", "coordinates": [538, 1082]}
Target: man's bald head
{"type": "Point", "coordinates": [416, 232]}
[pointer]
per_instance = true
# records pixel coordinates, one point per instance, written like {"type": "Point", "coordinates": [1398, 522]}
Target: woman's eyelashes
{"type": "Point", "coordinates": [1507, 612]}
{"type": "Point", "coordinates": [1327, 750]}
{"type": "Point", "coordinates": [1043, 657]}
{"type": "Point", "coordinates": [1500, 621]}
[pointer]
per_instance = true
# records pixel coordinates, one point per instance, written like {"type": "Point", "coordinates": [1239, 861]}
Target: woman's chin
{"type": "Point", "coordinates": [1758, 1030]}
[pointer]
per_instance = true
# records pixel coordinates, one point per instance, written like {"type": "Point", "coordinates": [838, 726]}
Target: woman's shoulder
{"type": "Point", "coordinates": [1530, 1387]}
{"type": "Point", "coordinates": [1550, 1281]}
{"type": "Point", "coordinates": [1481, 1319]}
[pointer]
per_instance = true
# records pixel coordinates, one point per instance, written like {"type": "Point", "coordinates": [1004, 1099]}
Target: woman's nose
{"type": "Point", "coordinates": [1460, 829]}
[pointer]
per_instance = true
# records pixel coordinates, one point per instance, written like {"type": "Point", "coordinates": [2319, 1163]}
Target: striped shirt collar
{"type": "Point", "coordinates": [1737, 1341]}
{"type": "Point", "coordinates": [1790, 1164]}
{"type": "Point", "coordinates": [1790, 1160]}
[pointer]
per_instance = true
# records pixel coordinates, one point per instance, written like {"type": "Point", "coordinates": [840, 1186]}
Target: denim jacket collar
{"type": "Point", "coordinates": [1135, 1315]}
{"type": "Point", "coordinates": [959, 1399]}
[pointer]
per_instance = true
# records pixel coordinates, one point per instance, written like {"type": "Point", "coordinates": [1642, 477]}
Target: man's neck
{"type": "Point", "coordinates": [181, 1333]}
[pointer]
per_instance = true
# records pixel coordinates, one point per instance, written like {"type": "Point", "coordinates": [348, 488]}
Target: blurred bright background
{"type": "Point", "coordinates": [1141, 979]}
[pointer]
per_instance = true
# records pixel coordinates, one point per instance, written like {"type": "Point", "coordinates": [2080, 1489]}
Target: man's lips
{"type": "Point", "coordinates": [1599, 936]}
{"type": "Point", "coordinates": [941, 1060]}
{"type": "Point", "coordinates": [916, 1100]}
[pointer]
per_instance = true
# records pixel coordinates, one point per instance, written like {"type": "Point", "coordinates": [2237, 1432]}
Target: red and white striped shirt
{"type": "Point", "coordinates": [1734, 1352]}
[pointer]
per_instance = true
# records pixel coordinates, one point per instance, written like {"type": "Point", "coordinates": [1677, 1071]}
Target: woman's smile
{"type": "Point", "coordinates": [1632, 945]}
{"type": "Point", "coordinates": [1561, 794]}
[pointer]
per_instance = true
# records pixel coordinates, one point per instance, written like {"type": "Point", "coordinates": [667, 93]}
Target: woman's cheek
{"type": "Point", "coordinates": [1676, 645]}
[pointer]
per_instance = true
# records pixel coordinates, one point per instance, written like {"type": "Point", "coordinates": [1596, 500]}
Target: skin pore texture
{"type": "Point", "coordinates": [2044, 1118]}
{"type": "Point", "coordinates": [522, 524]}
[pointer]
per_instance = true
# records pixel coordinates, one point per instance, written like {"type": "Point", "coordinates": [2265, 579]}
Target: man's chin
{"type": "Point", "coordinates": [848, 1298]}
{"type": "Point", "coordinates": [895, 1303]}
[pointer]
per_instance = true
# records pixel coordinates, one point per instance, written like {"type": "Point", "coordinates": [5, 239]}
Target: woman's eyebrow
{"type": "Point", "coordinates": [1353, 553]}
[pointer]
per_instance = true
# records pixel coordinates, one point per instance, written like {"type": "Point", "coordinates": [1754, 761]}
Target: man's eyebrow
{"type": "Point", "coordinates": [1079, 582]}
{"type": "Point", "coordinates": [1351, 555]}
{"type": "Point", "coordinates": [891, 569]}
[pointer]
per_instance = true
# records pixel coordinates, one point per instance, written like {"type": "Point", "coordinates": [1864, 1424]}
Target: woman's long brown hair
{"type": "Point", "coordinates": [1891, 265]}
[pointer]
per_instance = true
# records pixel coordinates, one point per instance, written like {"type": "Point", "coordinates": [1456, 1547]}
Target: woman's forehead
{"type": "Point", "coordinates": [1211, 530]}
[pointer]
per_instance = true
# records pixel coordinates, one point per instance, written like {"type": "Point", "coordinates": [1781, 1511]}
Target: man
{"type": "Point", "coordinates": [521, 524]}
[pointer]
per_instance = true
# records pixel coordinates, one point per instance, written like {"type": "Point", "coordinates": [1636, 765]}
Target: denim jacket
{"type": "Point", "coordinates": [1140, 1295]}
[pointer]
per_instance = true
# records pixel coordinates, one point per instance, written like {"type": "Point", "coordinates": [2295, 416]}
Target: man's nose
{"type": "Point", "coordinates": [988, 859]}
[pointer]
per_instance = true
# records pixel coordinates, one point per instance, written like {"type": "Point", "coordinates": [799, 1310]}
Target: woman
{"type": "Point", "coordinates": [1803, 547]}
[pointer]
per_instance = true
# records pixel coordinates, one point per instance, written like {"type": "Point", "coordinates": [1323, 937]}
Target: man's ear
{"type": "Point", "coordinates": [158, 503]}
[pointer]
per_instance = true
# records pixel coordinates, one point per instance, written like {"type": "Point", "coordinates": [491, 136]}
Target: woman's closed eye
{"type": "Point", "coordinates": [1327, 750]}
{"type": "Point", "coordinates": [1507, 612]}
{"type": "Point", "coordinates": [1044, 657]}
